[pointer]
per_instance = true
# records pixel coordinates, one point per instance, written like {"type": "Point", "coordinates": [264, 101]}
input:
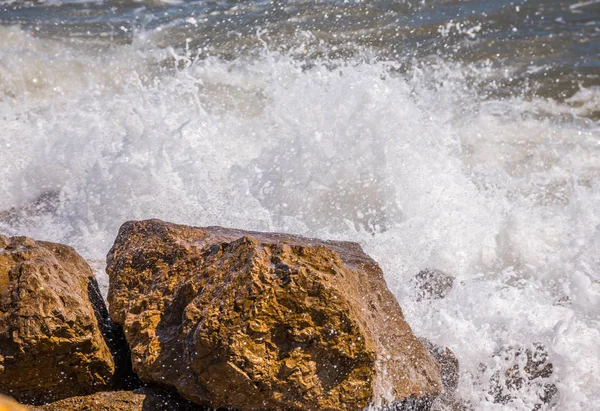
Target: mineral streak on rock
{"type": "Point", "coordinates": [263, 321]}
{"type": "Point", "coordinates": [51, 346]}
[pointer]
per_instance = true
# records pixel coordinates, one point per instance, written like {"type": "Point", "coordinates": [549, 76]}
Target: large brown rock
{"type": "Point", "coordinates": [263, 321]}
{"type": "Point", "coordinates": [51, 345]}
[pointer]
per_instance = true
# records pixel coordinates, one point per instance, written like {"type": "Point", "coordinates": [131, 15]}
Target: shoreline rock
{"type": "Point", "coordinates": [51, 346]}
{"type": "Point", "coordinates": [253, 321]}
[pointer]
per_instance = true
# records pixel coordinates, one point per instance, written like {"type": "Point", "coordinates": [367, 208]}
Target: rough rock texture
{"type": "Point", "coordinates": [51, 346]}
{"type": "Point", "coordinates": [449, 371]}
{"type": "Point", "coordinates": [8, 404]}
{"type": "Point", "coordinates": [143, 399]}
{"type": "Point", "coordinates": [263, 321]}
{"type": "Point", "coordinates": [432, 284]}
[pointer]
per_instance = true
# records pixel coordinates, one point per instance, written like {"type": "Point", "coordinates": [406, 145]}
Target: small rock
{"type": "Point", "coordinates": [263, 321]}
{"type": "Point", "coordinates": [51, 345]}
{"type": "Point", "coordinates": [432, 284]}
{"type": "Point", "coordinates": [8, 404]}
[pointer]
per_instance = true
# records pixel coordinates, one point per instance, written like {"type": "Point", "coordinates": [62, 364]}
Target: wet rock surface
{"type": "Point", "coordinates": [45, 203]}
{"type": "Point", "coordinates": [51, 314]}
{"type": "Point", "coordinates": [143, 399]}
{"type": "Point", "coordinates": [264, 321]}
{"type": "Point", "coordinates": [526, 372]}
{"type": "Point", "coordinates": [449, 367]}
{"type": "Point", "coordinates": [432, 284]}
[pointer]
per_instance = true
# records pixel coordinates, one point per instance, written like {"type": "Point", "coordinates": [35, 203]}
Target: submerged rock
{"type": "Point", "coordinates": [51, 346]}
{"type": "Point", "coordinates": [525, 372]}
{"type": "Point", "coordinates": [432, 284]}
{"type": "Point", "coordinates": [46, 203]}
{"type": "Point", "coordinates": [258, 321]}
{"type": "Point", "coordinates": [449, 371]}
{"type": "Point", "coordinates": [143, 399]}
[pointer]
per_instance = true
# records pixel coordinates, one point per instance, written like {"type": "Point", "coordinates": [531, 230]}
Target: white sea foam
{"type": "Point", "coordinates": [422, 172]}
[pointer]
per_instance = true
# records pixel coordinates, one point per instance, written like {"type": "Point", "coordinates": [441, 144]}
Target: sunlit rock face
{"type": "Point", "coordinates": [51, 315]}
{"type": "Point", "coordinates": [263, 321]}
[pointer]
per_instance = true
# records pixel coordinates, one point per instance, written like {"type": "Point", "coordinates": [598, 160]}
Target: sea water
{"type": "Point", "coordinates": [460, 136]}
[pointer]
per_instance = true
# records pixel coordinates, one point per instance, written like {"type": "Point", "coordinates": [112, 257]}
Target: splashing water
{"type": "Point", "coordinates": [414, 163]}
